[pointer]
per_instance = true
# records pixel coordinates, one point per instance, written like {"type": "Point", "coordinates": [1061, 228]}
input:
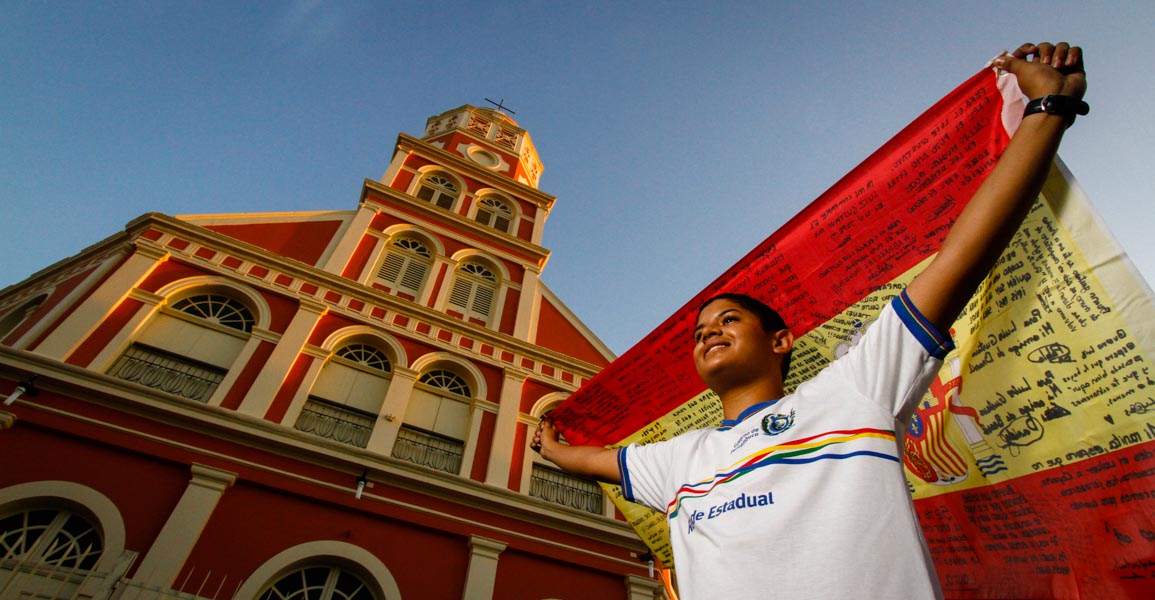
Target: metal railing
{"type": "Point", "coordinates": [429, 450]}
{"type": "Point", "coordinates": [168, 372]}
{"type": "Point", "coordinates": [567, 490]}
{"type": "Point", "coordinates": [336, 422]}
{"type": "Point", "coordinates": [29, 575]}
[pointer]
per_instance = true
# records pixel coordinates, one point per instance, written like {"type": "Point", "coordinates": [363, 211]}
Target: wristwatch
{"type": "Point", "coordinates": [1057, 104]}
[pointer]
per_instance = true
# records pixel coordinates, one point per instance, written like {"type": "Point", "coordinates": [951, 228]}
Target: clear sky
{"type": "Point", "coordinates": [676, 136]}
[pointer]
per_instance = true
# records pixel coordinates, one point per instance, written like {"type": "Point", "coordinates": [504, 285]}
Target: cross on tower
{"type": "Point", "coordinates": [500, 106]}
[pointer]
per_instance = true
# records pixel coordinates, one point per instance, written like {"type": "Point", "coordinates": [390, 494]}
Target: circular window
{"type": "Point", "coordinates": [483, 157]}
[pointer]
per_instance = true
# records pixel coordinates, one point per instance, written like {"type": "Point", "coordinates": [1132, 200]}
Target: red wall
{"type": "Point", "coordinates": [555, 332]}
{"type": "Point", "coordinates": [425, 563]}
{"type": "Point", "coordinates": [144, 489]}
{"type": "Point", "coordinates": [523, 576]}
{"type": "Point", "coordinates": [305, 241]}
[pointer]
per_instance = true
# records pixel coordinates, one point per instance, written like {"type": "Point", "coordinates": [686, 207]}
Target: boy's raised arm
{"type": "Point", "coordinates": [590, 461]}
{"type": "Point", "coordinates": [992, 216]}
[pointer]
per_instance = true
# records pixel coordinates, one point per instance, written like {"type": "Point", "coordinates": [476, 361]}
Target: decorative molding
{"type": "Point", "coordinates": [376, 308]}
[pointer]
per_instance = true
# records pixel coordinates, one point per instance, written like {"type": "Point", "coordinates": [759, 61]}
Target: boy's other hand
{"type": "Point", "coordinates": [1046, 68]}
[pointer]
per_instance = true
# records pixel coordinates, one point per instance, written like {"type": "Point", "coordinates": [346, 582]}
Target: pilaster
{"type": "Point", "coordinates": [172, 546]}
{"type": "Point", "coordinates": [505, 431]}
{"type": "Point", "coordinates": [482, 573]}
{"type": "Point", "coordinates": [268, 383]}
{"type": "Point", "coordinates": [104, 299]}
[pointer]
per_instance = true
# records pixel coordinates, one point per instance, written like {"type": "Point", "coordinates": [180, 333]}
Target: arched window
{"type": "Point", "coordinates": [436, 422]}
{"type": "Point", "coordinates": [50, 537]}
{"type": "Point", "coordinates": [447, 381]}
{"type": "Point", "coordinates": [187, 348]}
{"type": "Point", "coordinates": [494, 213]}
{"type": "Point", "coordinates": [319, 582]}
{"type": "Point", "coordinates": [474, 291]}
{"type": "Point", "coordinates": [347, 396]}
{"type": "Point", "coordinates": [438, 189]}
{"type": "Point", "coordinates": [217, 309]}
{"type": "Point", "coordinates": [406, 265]}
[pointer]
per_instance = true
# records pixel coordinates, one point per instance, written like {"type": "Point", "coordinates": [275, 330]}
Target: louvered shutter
{"type": "Point", "coordinates": [459, 297]}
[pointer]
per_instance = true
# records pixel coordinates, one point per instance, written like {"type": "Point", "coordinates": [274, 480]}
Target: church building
{"type": "Point", "coordinates": [329, 405]}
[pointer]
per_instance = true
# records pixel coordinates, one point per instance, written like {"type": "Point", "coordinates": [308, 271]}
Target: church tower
{"type": "Point", "coordinates": [247, 405]}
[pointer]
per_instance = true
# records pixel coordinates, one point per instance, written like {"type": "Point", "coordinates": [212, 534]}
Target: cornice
{"type": "Point", "coordinates": [70, 265]}
{"type": "Point", "coordinates": [408, 143]}
{"type": "Point", "coordinates": [537, 254]}
{"type": "Point", "coordinates": [195, 237]}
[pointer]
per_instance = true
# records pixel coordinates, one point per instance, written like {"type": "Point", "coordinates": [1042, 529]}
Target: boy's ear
{"type": "Point", "coordinates": [783, 341]}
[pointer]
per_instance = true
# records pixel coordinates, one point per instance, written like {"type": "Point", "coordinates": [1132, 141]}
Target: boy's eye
{"type": "Point", "coordinates": [729, 319]}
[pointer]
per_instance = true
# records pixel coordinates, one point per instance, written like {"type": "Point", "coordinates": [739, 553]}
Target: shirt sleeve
{"type": "Point", "coordinates": [896, 359]}
{"type": "Point", "coordinates": [645, 471]}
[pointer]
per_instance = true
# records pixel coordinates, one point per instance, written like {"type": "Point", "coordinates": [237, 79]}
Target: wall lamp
{"type": "Point", "coordinates": [362, 481]}
{"type": "Point", "coordinates": [648, 558]}
{"type": "Point", "coordinates": [24, 388]}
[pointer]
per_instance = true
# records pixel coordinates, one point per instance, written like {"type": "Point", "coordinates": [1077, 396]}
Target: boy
{"type": "Point", "coordinates": [804, 496]}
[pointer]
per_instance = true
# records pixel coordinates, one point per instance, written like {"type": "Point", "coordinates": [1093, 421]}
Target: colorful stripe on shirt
{"type": "Point", "coordinates": [825, 446]}
{"type": "Point", "coordinates": [935, 343]}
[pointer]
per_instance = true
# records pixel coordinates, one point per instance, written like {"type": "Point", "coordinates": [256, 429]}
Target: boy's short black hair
{"type": "Point", "coordinates": [770, 319]}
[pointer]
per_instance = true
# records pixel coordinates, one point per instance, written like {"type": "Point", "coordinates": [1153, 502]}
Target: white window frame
{"type": "Point", "coordinates": [491, 210]}
{"type": "Point", "coordinates": [403, 258]}
{"type": "Point", "coordinates": [475, 292]}
{"type": "Point", "coordinates": [438, 189]}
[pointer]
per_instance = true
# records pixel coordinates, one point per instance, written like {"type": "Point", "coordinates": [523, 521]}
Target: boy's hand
{"type": "Point", "coordinates": [545, 435]}
{"type": "Point", "coordinates": [1055, 69]}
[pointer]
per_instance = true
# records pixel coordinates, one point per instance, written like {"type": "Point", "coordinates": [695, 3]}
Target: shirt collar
{"type": "Point", "coordinates": [728, 423]}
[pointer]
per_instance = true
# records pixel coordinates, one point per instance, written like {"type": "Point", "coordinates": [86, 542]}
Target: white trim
{"type": "Point", "coordinates": [102, 509]}
{"type": "Point", "coordinates": [426, 171]}
{"type": "Point", "coordinates": [300, 554]}
{"type": "Point", "coordinates": [258, 304]}
{"type": "Point", "coordinates": [415, 231]}
{"type": "Point", "coordinates": [396, 349]}
{"type": "Point", "coordinates": [208, 219]}
{"type": "Point", "coordinates": [478, 386]}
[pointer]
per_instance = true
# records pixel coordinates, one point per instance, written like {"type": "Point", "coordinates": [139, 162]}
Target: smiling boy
{"type": "Point", "coordinates": [804, 495]}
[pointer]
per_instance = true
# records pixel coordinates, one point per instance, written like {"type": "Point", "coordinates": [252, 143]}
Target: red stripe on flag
{"type": "Point", "coordinates": [877, 222]}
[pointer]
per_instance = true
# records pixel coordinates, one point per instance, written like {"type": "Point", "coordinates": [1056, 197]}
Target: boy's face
{"type": "Point", "coordinates": [730, 346]}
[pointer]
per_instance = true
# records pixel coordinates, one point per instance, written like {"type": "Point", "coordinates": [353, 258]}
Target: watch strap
{"type": "Point", "coordinates": [1058, 104]}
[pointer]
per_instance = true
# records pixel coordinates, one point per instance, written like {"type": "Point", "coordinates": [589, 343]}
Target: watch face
{"type": "Point", "coordinates": [1056, 105]}
{"type": "Point", "coordinates": [1063, 105]}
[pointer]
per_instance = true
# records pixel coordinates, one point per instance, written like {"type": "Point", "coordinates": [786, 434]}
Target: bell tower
{"type": "Point", "coordinates": [489, 138]}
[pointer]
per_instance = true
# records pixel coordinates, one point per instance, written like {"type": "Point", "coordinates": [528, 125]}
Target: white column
{"type": "Point", "coordinates": [505, 431]}
{"type": "Point", "coordinates": [350, 241]}
{"type": "Point", "coordinates": [172, 546]}
{"type": "Point", "coordinates": [273, 374]}
{"type": "Point", "coordinates": [104, 299]}
{"type": "Point", "coordinates": [94, 277]}
{"type": "Point", "coordinates": [115, 346]}
{"type": "Point", "coordinates": [642, 588]}
{"type": "Point", "coordinates": [538, 225]}
{"type": "Point", "coordinates": [482, 574]}
{"type": "Point", "coordinates": [392, 411]}
{"type": "Point", "coordinates": [302, 396]}
{"type": "Point", "coordinates": [525, 327]}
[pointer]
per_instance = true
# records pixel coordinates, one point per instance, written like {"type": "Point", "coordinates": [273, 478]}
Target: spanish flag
{"type": "Point", "coordinates": [1032, 459]}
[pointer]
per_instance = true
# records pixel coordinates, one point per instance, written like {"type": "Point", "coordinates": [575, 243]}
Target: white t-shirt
{"type": "Point", "coordinates": [803, 497]}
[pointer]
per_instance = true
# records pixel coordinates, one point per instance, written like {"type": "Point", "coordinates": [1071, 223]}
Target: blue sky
{"type": "Point", "coordinates": [676, 136]}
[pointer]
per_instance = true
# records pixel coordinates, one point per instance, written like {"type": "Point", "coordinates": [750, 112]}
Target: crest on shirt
{"type": "Point", "coordinates": [777, 423]}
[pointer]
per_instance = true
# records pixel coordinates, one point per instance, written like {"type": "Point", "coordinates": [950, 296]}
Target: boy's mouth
{"type": "Point", "coordinates": [712, 347]}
